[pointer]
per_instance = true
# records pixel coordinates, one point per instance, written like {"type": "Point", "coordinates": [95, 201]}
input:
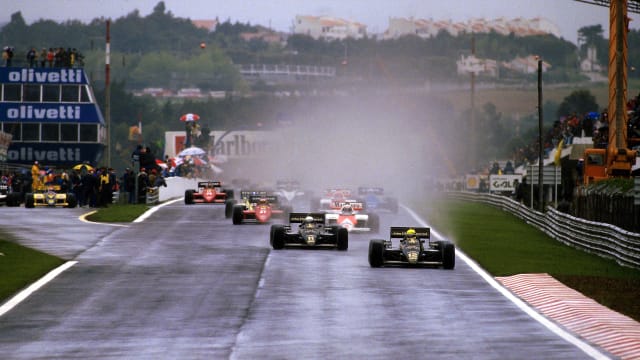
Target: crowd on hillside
{"type": "Point", "coordinates": [593, 124]}
{"type": "Point", "coordinates": [52, 57]}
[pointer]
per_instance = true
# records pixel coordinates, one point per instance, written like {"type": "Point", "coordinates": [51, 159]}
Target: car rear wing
{"type": "Point", "coordinates": [209, 184]}
{"type": "Point", "coordinates": [246, 194]}
{"type": "Point", "coordinates": [355, 205]}
{"type": "Point", "coordinates": [401, 232]}
{"type": "Point", "coordinates": [370, 190]}
{"type": "Point", "coordinates": [318, 218]}
{"type": "Point", "coordinates": [335, 191]}
{"type": "Point", "coordinates": [271, 199]}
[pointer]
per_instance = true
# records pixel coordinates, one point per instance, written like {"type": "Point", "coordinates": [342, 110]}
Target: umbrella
{"type": "Point", "coordinates": [80, 166]}
{"type": "Point", "coordinates": [189, 117]}
{"type": "Point", "coordinates": [192, 151]}
{"type": "Point", "coordinates": [161, 163]}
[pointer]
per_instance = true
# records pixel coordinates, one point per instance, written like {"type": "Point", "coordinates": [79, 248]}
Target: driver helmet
{"type": "Point", "coordinates": [308, 223]}
{"type": "Point", "coordinates": [411, 234]}
{"type": "Point", "coordinates": [347, 209]}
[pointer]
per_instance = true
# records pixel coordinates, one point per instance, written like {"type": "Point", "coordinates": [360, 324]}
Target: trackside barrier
{"type": "Point", "coordinates": [602, 239]}
{"type": "Point", "coordinates": [176, 187]}
{"type": "Point", "coordinates": [153, 195]}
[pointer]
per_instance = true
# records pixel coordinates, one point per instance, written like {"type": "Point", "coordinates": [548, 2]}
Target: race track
{"type": "Point", "coordinates": [187, 284]}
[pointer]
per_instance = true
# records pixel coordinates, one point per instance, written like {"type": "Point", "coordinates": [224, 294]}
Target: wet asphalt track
{"type": "Point", "coordinates": [187, 284]}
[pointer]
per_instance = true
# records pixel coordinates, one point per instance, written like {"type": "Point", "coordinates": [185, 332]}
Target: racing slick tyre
{"type": "Point", "coordinates": [229, 193]}
{"type": "Point", "coordinates": [448, 255]}
{"type": "Point", "coordinates": [342, 239]}
{"type": "Point", "coordinates": [188, 197]}
{"type": "Point", "coordinates": [237, 214]}
{"type": "Point", "coordinates": [228, 207]}
{"type": "Point", "coordinates": [71, 200]}
{"type": "Point", "coordinates": [374, 223]}
{"type": "Point", "coordinates": [13, 199]}
{"type": "Point", "coordinates": [376, 252]}
{"type": "Point", "coordinates": [29, 201]}
{"type": "Point", "coordinates": [278, 235]}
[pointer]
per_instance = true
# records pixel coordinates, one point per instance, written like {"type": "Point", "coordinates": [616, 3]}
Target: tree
{"type": "Point", "coordinates": [578, 102]}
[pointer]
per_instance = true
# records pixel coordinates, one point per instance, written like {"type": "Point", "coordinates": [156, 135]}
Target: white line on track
{"type": "Point", "coordinates": [586, 348]}
{"type": "Point", "coordinates": [148, 213]}
{"type": "Point", "coordinates": [22, 295]}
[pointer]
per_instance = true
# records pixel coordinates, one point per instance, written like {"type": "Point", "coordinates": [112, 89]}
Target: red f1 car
{"type": "Point", "coordinates": [208, 192]}
{"type": "Point", "coordinates": [258, 209]}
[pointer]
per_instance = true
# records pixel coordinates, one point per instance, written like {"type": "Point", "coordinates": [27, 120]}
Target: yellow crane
{"type": "Point", "coordinates": [617, 160]}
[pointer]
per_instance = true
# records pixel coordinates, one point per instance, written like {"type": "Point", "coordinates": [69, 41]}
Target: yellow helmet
{"type": "Point", "coordinates": [411, 232]}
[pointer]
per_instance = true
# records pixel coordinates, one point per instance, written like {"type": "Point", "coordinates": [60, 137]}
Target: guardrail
{"type": "Point", "coordinates": [602, 239]}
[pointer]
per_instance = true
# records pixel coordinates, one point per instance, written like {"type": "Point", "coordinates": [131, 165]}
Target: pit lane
{"type": "Point", "coordinates": [186, 283]}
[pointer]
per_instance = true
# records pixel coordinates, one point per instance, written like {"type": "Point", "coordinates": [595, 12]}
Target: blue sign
{"type": "Point", "coordinates": [54, 153]}
{"type": "Point", "coordinates": [85, 113]}
{"type": "Point", "coordinates": [54, 76]}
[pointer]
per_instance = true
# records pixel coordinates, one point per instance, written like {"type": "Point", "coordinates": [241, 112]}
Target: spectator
{"type": "Point", "coordinates": [129, 184]}
{"type": "Point", "coordinates": [42, 58]}
{"type": "Point", "coordinates": [7, 55]}
{"type": "Point", "coordinates": [143, 183]}
{"type": "Point", "coordinates": [31, 57]}
{"type": "Point", "coordinates": [51, 57]}
{"type": "Point", "coordinates": [508, 168]}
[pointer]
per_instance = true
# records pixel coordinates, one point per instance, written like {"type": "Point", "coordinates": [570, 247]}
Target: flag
{"type": "Point", "coordinates": [556, 160]}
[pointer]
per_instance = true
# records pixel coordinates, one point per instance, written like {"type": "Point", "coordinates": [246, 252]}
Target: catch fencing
{"type": "Point", "coordinates": [602, 239]}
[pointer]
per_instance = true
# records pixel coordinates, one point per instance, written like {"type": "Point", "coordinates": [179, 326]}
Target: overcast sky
{"type": "Point", "coordinates": [568, 15]}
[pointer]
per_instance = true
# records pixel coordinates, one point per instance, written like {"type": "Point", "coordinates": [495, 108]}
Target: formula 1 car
{"type": "Point", "coordinates": [245, 195]}
{"type": "Point", "coordinates": [208, 192]}
{"type": "Point", "coordinates": [50, 196]}
{"type": "Point", "coordinates": [289, 192]}
{"type": "Point", "coordinates": [8, 197]}
{"type": "Point", "coordinates": [415, 249]}
{"type": "Point", "coordinates": [376, 200]}
{"type": "Point", "coordinates": [352, 218]}
{"type": "Point", "coordinates": [311, 233]}
{"type": "Point", "coordinates": [258, 209]}
{"type": "Point", "coordinates": [332, 200]}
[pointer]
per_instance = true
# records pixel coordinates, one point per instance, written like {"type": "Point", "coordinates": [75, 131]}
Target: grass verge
{"type": "Point", "coordinates": [118, 213]}
{"type": "Point", "coordinates": [21, 266]}
{"type": "Point", "coordinates": [505, 245]}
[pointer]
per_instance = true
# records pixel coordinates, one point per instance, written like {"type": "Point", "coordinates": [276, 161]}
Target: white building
{"type": "Point", "coordinates": [590, 64]}
{"type": "Point", "coordinates": [330, 28]}
{"type": "Point", "coordinates": [470, 63]}
{"type": "Point", "coordinates": [526, 65]}
{"type": "Point", "coordinates": [429, 28]}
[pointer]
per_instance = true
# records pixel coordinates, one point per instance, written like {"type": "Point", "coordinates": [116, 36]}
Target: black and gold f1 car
{"type": "Point", "coordinates": [415, 249]}
{"type": "Point", "coordinates": [311, 233]}
{"type": "Point", "coordinates": [50, 196]}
